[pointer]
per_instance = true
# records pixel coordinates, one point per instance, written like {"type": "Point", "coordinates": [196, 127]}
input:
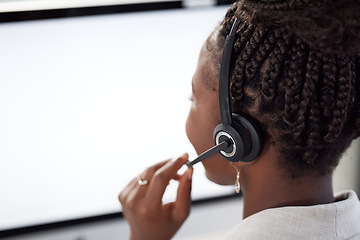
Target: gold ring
{"type": "Point", "coordinates": [142, 182]}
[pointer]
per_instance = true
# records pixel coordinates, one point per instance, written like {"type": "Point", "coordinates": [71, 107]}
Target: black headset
{"type": "Point", "coordinates": [240, 131]}
{"type": "Point", "coordinates": [238, 137]}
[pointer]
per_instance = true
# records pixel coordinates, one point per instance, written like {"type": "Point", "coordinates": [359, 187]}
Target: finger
{"type": "Point", "coordinates": [146, 175]}
{"type": "Point", "coordinates": [149, 172]}
{"type": "Point", "coordinates": [128, 188]}
{"type": "Point", "coordinates": [161, 179]}
{"type": "Point", "coordinates": [126, 193]}
{"type": "Point", "coordinates": [183, 198]}
{"type": "Point", "coordinates": [176, 177]}
{"type": "Point", "coordinates": [133, 193]}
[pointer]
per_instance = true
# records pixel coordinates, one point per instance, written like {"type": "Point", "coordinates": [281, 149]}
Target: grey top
{"type": "Point", "coordinates": [338, 220]}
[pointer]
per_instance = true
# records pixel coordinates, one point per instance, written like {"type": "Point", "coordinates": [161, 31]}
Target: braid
{"type": "Point", "coordinates": [271, 4]}
{"type": "Point", "coordinates": [312, 102]}
{"type": "Point", "coordinates": [261, 53]}
{"type": "Point", "coordinates": [240, 65]}
{"type": "Point", "coordinates": [294, 84]}
{"type": "Point", "coordinates": [283, 5]}
{"type": "Point", "coordinates": [352, 83]}
{"type": "Point", "coordinates": [357, 86]}
{"type": "Point", "coordinates": [244, 34]}
{"type": "Point", "coordinates": [342, 100]}
{"type": "Point", "coordinates": [327, 90]}
{"type": "Point", "coordinates": [237, 85]}
{"type": "Point", "coordinates": [327, 25]}
{"type": "Point", "coordinates": [300, 75]}
{"type": "Point", "coordinates": [276, 64]}
{"type": "Point", "coordinates": [227, 22]}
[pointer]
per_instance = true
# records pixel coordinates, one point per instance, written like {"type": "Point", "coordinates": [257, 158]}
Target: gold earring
{"type": "Point", "coordinates": [237, 181]}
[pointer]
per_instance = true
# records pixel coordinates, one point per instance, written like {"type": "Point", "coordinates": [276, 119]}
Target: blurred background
{"type": "Point", "coordinates": [92, 92]}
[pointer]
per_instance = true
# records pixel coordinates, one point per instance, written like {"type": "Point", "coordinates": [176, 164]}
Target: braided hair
{"type": "Point", "coordinates": [296, 68]}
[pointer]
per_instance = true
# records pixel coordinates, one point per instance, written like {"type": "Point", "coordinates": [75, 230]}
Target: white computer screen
{"type": "Point", "coordinates": [87, 103]}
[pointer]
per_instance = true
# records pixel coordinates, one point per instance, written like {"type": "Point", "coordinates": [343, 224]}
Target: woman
{"type": "Point", "coordinates": [295, 70]}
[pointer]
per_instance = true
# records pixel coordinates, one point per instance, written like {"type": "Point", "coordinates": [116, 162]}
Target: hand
{"type": "Point", "coordinates": [142, 206]}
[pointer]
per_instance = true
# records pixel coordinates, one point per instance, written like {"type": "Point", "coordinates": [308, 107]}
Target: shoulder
{"type": "Point", "coordinates": [347, 215]}
{"type": "Point", "coordinates": [339, 220]}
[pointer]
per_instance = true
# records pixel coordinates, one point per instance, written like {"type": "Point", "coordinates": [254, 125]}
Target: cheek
{"type": "Point", "coordinates": [198, 131]}
{"type": "Point", "coordinates": [192, 129]}
{"type": "Point", "coordinates": [189, 126]}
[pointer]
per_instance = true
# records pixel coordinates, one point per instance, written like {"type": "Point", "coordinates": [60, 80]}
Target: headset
{"type": "Point", "coordinates": [239, 136]}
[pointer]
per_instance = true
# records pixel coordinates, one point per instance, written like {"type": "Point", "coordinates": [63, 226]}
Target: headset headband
{"type": "Point", "coordinates": [237, 138]}
{"type": "Point", "coordinates": [224, 79]}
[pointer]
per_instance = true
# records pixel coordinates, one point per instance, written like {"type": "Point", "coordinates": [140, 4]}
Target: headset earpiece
{"type": "Point", "coordinates": [245, 137]}
{"type": "Point", "coordinates": [254, 134]}
{"type": "Point", "coordinates": [227, 133]}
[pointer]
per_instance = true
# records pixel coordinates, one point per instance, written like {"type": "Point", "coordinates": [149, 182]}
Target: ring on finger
{"type": "Point", "coordinates": [142, 182]}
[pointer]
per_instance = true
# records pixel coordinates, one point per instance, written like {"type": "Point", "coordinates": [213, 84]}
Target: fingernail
{"type": "Point", "coordinates": [189, 173]}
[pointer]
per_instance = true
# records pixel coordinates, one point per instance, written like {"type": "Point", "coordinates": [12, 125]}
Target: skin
{"type": "Point", "coordinates": [264, 185]}
{"type": "Point", "coordinates": [142, 206]}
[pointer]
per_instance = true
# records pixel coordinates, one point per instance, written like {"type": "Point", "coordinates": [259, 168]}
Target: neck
{"type": "Point", "coordinates": [269, 191]}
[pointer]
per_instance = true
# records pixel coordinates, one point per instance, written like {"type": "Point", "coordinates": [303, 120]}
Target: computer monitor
{"type": "Point", "coordinates": [87, 103]}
